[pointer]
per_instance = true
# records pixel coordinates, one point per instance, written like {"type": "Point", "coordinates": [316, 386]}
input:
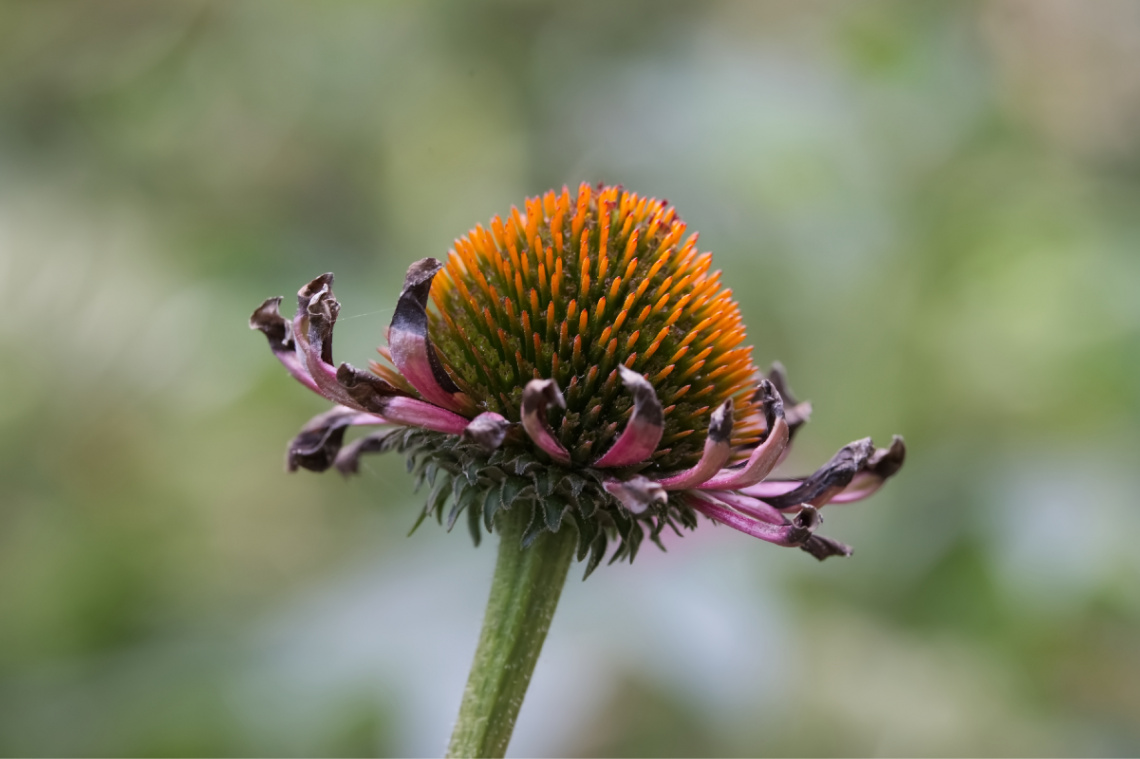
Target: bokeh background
{"type": "Point", "coordinates": [930, 212]}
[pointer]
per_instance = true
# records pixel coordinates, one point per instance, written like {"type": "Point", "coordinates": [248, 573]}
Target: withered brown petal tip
{"type": "Point", "coordinates": [268, 319]}
{"type": "Point", "coordinates": [836, 473]}
{"type": "Point", "coordinates": [886, 462]}
{"type": "Point", "coordinates": [316, 445]}
{"type": "Point", "coordinates": [720, 424]}
{"type": "Point", "coordinates": [348, 460]}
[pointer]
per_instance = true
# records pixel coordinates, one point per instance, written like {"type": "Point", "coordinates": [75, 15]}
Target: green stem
{"type": "Point", "coordinates": [524, 594]}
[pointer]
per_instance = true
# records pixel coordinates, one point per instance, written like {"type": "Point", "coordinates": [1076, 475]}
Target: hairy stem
{"type": "Point", "coordinates": [524, 594]}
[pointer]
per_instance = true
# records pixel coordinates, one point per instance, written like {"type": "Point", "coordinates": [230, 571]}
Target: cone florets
{"type": "Point", "coordinates": [578, 286]}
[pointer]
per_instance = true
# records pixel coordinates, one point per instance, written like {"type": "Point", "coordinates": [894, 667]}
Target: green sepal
{"type": "Point", "coordinates": [488, 483]}
{"type": "Point", "coordinates": [440, 492]}
{"type": "Point", "coordinates": [473, 517]}
{"type": "Point", "coordinates": [467, 499]}
{"type": "Point", "coordinates": [536, 525]}
{"type": "Point", "coordinates": [419, 520]}
{"type": "Point", "coordinates": [510, 491]}
{"type": "Point", "coordinates": [554, 507]}
{"type": "Point", "coordinates": [492, 501]}
{"type": "Point", "coordinates": [597, 553]}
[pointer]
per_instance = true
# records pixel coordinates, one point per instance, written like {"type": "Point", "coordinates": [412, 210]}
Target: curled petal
{"type": "Point", "coordinates": [766, 455]}
{"type": "Point", "coordinates": [718, 448]}
{"type": "Point", "coordinates": [791, 533]}
{"type": "Point", "coordinates": [316, 446]}
{"type": "Point", "coordinates": [488, 430]}
{"type": "Point", "coordinates": [317, 310]}
{"type": "Point", "coordinates": [883, 464]}
{"type": "Point", "coordinates": [279, 332]}
{"type": "Point", "coordinates": [637, 493]}
{"type": "Point", "coordinates": [828, 481]}
{"type": "Point", "coordinates": [880, 466]}
{"type": "Point", "coordinates": [643, 431]}
{"type": "Point", "coordinates": [537, 395]}
{"type": "Point", "coordinates": [347, 462]}
{"type": "Point", "coordinates": [408, 341]}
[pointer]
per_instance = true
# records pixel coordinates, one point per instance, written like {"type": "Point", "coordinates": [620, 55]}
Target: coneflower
{"type": "Point", "coordinates": [582, 363]}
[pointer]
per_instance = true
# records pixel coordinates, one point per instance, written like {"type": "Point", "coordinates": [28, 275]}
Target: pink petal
{"type": "Point", "coordinates": [537, 395]}
{"type": "Point", "coordinates": [792, 533]}
{"type": "Point", "coordinates": [718, 448]}
{"type": "Point", "coordinates": [416, 413]}
{"type": "Point", "coordinates": [409, 343]}
{"type": "Point", "coordinates": [752, 507]}
{"type": "Point", "coordinates": [766, 455]}
{"type": "Point", "coordinates": [643, 431]}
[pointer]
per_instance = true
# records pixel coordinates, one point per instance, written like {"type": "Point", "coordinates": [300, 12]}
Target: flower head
{"type": "Point", "coordinates": [581, 362]}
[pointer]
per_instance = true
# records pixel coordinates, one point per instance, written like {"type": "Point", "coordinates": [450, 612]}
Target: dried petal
{"type": "Point", "coordinates": [316, 446]}
{"type": "Point", "coordinates": [317, 310]}
{"type": "Point", "coordinates": [828, 481]}
{"type": "Point", "coordinates": [823, 547]}
{"type": "Point", "coordinates": [410, 345]}
{"type": "Point", "coordinates": [366, 389]}
{"type": "Point", "coordinates": [880, 466]}
{"type": "Point", "coordinates": [883, 464]}
{"type": "Point", "coordinates": [643, 431]}
{"type": "Point", "coordinates": [279, 332]}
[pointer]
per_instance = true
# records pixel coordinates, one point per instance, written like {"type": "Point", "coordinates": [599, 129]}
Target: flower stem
{"type": "Point", "coordinates": [524, 594]}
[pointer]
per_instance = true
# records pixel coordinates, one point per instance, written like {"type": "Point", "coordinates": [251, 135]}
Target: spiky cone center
{"type": "Point", "coordinates": [574, 287]}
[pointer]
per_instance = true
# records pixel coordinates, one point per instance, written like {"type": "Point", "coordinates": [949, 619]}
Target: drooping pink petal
{"type": "Point", "coordinates": [797, 532]}
{"type": "Point", "coordinates": [409, 343]}
{"type": "Point", "coordinates": [771, 488]}
{"type": "Point", "coordinates": [279, 332]}
{"type": "Point", "coordinates": [637, 493]}
{"type": "Point", "coordinates": [537, 395]}
{"type": "Point", "coordinates": [752, 507]}
{"type": "Point", "coordinates": [766, 455]}
{"type": "Point", "coordinates": [488, 430]}
{"type": "Point", "coordinates": [790, 533]}
{"type": "Point", "coordinates": [718, 448]}
{"type": "Point", "coordinates": [316, 446]}
{"type": "Point", "coordinates": [413, 412]}
{"type": "Point", "coordinates": [643, 431]}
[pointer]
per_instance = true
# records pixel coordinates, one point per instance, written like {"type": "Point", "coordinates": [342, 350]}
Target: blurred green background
{"type": "Point", "coordinates": [930, 212]}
